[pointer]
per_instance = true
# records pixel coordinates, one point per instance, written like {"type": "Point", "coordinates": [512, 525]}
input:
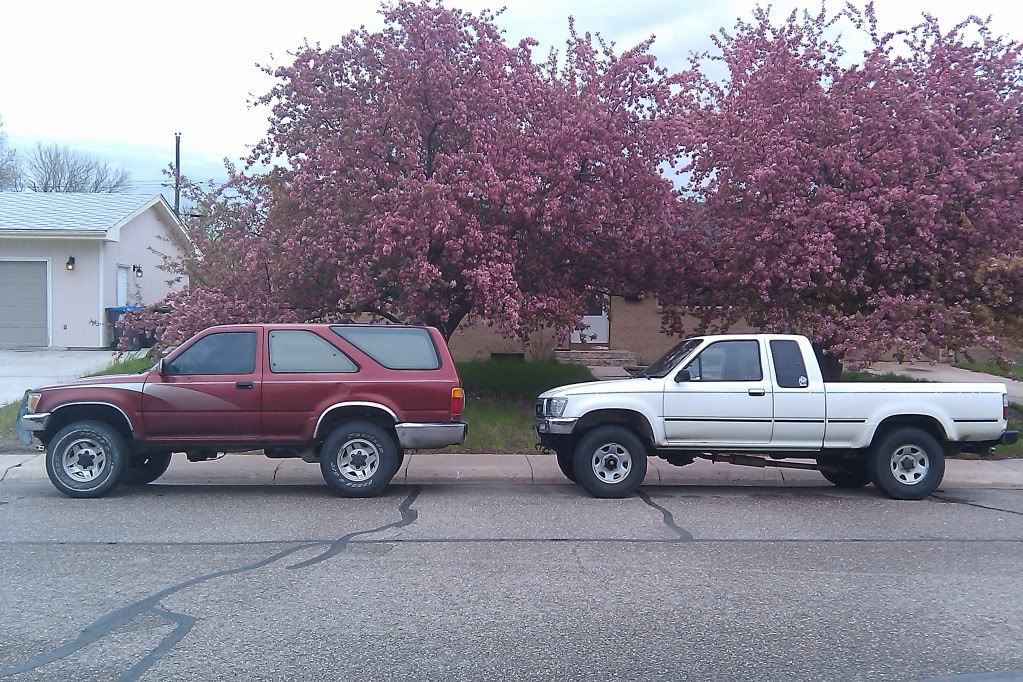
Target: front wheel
{"type": "Point", "coordinates": [566, 463]}
{"type": "Point", "coordinates": [907, 464]}
{"type": "Point", "coordinates": [610, 461]}
{"type": "Point", "coordinates": [85, 459]}
{"type": "Point", "coordinates": [146, 469]}
{"type": "Point", "coordinates": [359, 459]}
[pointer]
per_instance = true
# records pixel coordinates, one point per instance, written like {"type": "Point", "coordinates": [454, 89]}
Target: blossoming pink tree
{"type": "Point", "coordinates": [873, 206]}
{"type": "Point", "coordinates": [433, 172]}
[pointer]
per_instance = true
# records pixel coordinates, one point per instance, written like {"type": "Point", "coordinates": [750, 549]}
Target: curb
{"type": "Point", "coordinates": [536, 469]}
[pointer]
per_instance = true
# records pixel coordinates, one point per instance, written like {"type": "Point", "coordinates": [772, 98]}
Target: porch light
{"type": "Point", "coordinates": [137, 269]}
{"type": "Point", "coordinates": [70, 265]}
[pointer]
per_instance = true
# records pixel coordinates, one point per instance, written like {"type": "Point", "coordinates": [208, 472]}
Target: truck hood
{"type": "Point", "coordinates": [641, 385]}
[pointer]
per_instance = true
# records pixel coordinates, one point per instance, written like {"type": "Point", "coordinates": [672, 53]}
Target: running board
{"type": "Point", "coordinates": [750, 461]}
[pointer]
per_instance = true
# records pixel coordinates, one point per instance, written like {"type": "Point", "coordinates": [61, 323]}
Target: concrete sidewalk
{"type": "Point", "coordinates": [519, 469]}
{"type": "Point", "coordinates": [948, 373]}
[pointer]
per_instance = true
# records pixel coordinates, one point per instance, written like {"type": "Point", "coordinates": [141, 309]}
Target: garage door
{"type": "Point", "coordinates": [23, 303]}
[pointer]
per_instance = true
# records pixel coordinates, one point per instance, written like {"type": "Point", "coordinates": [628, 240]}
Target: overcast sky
{"type": "Point", "coordinates": [117, 79]}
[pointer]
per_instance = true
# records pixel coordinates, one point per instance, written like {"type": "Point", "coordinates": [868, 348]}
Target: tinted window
{"type": "Point", "coordinates": [393, 347]}
{"type": "Point", "coordinates": [789, 368]}
{"type": "Point", "coordinates": [300, 351]}
{"type": "Point", "coordinates": [727, 361]}
{"type": "Point", "coordinates": [219, 353]}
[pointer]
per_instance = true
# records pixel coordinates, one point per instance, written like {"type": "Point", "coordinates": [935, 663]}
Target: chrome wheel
{"type": "Point", "coordinates": [611, 463]}
{"type": "Point", "coordinates": [84, 460]}
{"type": "Point", "coordinates": [358, 459]}
{"type": "Point", "coordinates": [909, 464]}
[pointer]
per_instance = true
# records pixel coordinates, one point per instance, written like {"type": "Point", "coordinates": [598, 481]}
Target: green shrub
{"type": "Point", "coordinates": [517, 379]}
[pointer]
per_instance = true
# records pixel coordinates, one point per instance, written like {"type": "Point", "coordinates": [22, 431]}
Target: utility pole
{"type": "Point", "coordinates": [177, 175]}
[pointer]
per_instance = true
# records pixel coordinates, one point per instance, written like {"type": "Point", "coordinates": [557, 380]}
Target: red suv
{"type": "Point", "coordinates": [351, 397]}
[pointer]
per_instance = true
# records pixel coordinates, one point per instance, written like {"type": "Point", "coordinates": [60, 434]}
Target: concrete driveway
{"type": "Point", "coordinates": [24, 369]}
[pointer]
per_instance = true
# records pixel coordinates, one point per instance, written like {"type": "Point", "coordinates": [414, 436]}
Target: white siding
{"type": "Point", "coordinates": [136, 239]}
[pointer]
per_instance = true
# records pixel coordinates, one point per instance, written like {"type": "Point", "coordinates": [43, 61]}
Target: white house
{"type": "Point", "coordinates": [65, 258]}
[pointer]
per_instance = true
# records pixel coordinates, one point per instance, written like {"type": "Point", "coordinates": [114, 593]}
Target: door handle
{"type": "Point", "coordinates": [243, 384]}
{"type": "Point", "coordinates": [757, 392]}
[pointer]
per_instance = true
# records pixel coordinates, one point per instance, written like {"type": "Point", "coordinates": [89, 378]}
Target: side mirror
{"type": "Point", "coordinates": [160, 367]}
{"type": "Point", "coordinates": [683, 376]}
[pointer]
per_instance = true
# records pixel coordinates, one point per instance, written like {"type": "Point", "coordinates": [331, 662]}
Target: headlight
{"type": "Point", "coordinates": [33, 400]}
{"type": "Point", "coordinates": [556, 407]}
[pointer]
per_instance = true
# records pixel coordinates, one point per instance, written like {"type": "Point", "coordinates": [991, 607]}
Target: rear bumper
{"type": "Point", "coordinates": [1010, 437]}
{"type": "Point", "coordinates": [424, 436]}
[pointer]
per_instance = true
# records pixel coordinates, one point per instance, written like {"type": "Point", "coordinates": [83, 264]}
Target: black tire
{"type": "Point", "coordinates": [845, 473]}
{"type": "Point", "coordinates": [388, 459]}
{"type": "Point", "coordinates": [612, 439]}
{"type": "Point", "coordinates": [146, 468]}
{"type": "Point", "coordinates": [93, 439]}
{"type": "Point", "coordinates": [566, 462]}
{"type": "Point", "coordinates": [892, 478]}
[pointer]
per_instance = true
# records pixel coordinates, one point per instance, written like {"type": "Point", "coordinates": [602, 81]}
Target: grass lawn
{"type": "Point", "coordinates": [860, 375]}
{"type": "Point", "coordinates": [998, 369]}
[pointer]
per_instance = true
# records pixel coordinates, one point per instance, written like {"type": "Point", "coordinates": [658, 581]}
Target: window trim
{"type": "Point", "coordinates": [255, 354]}
{"type": "Point", "coordinates": [436, 352]}
{"type": "Point", "coordinates": [269, 355]}
{"type": "Point", "coordinates": [774, 364]}
{"type": "Point", "coordinates": [760, 363]}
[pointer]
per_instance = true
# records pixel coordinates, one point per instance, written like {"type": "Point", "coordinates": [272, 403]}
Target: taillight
{"type": "Point", "coordinates": [1005, 406]}
{"type": "Point", "coordinates": [457, 402]}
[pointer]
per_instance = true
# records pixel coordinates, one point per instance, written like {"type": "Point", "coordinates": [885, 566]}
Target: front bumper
{"type": "Point", "coordinates": [1010, 437]}
{"type": "Point", "coordinates": [560, 425]}
{"type": "Point", "coordinates": [424, 436]}
{"type": "Point", "coordinates": [27, 423]}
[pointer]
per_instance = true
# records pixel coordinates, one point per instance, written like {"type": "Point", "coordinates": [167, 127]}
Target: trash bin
{"type": "Point", "coordinates": [113, 315]}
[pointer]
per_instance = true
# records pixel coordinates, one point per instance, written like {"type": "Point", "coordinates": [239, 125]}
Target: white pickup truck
{"type": "Point", "coordinates": [731, 398]}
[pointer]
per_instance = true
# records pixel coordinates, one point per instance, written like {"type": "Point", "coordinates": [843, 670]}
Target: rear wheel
{"type": "Point", "coordinates": [85, 459]}
{"type": "Point", "coordinates": [907, 464]}
{"type": "Point", "coordinates": [845, 473]}
{"type": "Point", "coordinates": [146, 469]}
{"type": "Point", "coordinates": [359, 459]}
{"type": "Point", "coordinates": [610, 461]}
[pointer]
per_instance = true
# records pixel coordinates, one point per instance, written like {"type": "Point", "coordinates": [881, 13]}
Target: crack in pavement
{"type": "Point", "coordinates": [955, 500]}
{"type": "Point", "coordinates": [669, 518]}
{"type": "Point", "coordinates": [277, 468]}
{"type": "Point", "coordinates": [15, 466]}
{"type": "Point", "coordinates": [118, 618]}
{"type": "Point", "coordinates": [408, 517]}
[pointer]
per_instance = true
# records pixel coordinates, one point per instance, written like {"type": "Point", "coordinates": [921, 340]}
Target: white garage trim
{"type": "Point", "coordinates": [49, 289]}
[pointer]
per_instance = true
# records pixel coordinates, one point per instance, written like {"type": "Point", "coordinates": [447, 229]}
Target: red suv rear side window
{"type": "Point", "coordinates": [394, 347]}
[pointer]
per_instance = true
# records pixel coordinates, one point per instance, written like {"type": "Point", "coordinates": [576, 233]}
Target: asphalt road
{"type": "Point", "coordinates": [224, 582]}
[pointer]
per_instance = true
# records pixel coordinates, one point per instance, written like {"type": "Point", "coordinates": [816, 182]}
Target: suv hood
{"type": "Point", "coordinates": [104, 380]}
{"type": "Point", "coordinates": [640, 385]}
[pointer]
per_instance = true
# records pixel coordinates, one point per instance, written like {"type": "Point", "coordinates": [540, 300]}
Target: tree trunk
{"type": "Point", "coordinates": [447, 325]}
{"type": "Point", "coordinates": [831, 364]}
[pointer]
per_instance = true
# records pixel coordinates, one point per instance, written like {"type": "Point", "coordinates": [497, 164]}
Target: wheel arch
{"type": "Point", "coordinates": [339, 413]}
{"type": "Point", "coordinates": [924, 422]}
{"type": "Point", "coordinates": [108, 413]}
{"type": "Point", "coordinates": [634, 420]}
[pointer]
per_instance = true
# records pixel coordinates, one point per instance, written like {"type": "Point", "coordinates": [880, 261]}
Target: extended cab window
{"type": "Point", "coordinates": [218, 353]}
{"type": "Point", "coordinates": [302, 351]}
{"type": "Point", "coordinates": [727, 361]}
{"type": "Point", "coordinates": [393, 347]}
{"type": "Point", "coordinates": [789, 368]}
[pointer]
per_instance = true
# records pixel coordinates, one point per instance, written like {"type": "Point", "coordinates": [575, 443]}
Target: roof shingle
{"type": "Point", "coordinates": [67, 211]}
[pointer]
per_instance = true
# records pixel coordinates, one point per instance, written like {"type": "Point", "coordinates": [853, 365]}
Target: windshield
{"type": "Point", "coordinates": [669, 360]}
